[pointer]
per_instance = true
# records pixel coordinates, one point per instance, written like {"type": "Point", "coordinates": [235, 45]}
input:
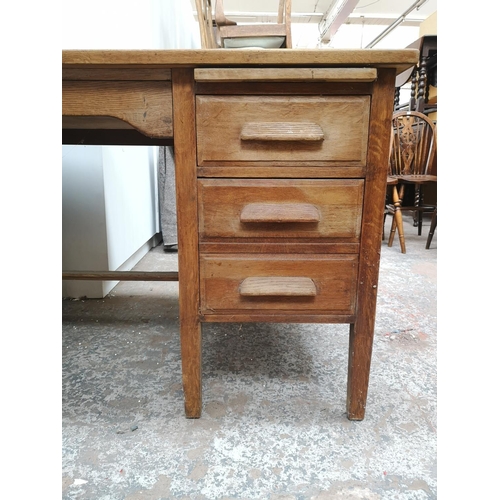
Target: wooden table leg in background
{"type": "Point", "coordinates": [187, 228]}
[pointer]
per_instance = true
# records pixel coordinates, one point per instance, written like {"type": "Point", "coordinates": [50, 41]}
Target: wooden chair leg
{"type": "Point", "coordinates": [416, 201]}
{"type": "Point", "coordinates": [386, 211]}
{"type": "Point", "coordinates": [419, 203]}
{"type": "Point", "coordinates": [397, 219]}
{"type": "Point", "coordinates": [432, 229]}
{"type": "Point", "coordinates": [393, 230]}
{"type": "Point", "coordinates": [398, 216]}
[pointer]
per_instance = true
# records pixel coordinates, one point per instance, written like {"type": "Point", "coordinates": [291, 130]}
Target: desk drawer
{"type": "Point", "coordinates": [278, 282]}
{"type": "Point", "coordinates": [280, 208]}
{"type": "Point", "coordinates": [293, 129]}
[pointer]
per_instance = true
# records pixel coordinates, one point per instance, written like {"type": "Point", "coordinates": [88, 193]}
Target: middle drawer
{"type": "Point", "coordinates": [280, 208]}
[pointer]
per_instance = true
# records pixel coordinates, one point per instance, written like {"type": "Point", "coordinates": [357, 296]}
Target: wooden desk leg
{"type": "Point", "coordinates": [362, 330]}
{"type": "Point", "coordinates": [358, 372]}
{"type": "Point", "coordinates": [187, 229]}
{"type": "Point", "coordinates": [191, 366]}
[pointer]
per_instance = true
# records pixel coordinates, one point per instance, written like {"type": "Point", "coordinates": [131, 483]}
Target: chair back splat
{"type": "Point", "coordinates": [414, 144]}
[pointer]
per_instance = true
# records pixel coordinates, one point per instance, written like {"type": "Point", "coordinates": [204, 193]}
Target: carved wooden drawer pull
{"type": "Point", "coordinates": [277, 287]}
{"type": "Point", "coordinates": [279, 212]}
{"type": "Point", "coordinates": [281, 131]}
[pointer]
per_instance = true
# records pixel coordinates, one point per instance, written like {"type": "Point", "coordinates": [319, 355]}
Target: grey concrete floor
{"type": "Point", "coordinates": [274, 424]}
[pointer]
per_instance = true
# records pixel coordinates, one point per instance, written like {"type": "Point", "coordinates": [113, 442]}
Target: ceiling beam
{"type": "Point", "coordinates": [271, 16]}
{"type": "Point", "coordinates": [335, 17]}
{"type": "Point", "coordinates": [395, 24]}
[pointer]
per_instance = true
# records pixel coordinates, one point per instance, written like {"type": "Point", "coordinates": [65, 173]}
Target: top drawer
{"type": "Point", "coordinates": [306, 129]}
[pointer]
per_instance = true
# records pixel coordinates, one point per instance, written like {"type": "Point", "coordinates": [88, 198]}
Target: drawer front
{"type": "Point", "coordinates": [306, 129]}
{"type": "Point", "coordinates": [276, 283]}
{"type": "Point", "coordinates": [280, 208]}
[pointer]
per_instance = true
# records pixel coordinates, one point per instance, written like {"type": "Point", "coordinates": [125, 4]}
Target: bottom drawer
{"type": "Point", "coordinates": [274, 283]}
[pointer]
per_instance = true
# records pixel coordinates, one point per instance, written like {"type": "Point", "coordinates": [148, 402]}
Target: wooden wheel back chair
{"type": "Point", "coordinates": [413, 151]}
{"type": "Point", "coordinates": [220, 32]}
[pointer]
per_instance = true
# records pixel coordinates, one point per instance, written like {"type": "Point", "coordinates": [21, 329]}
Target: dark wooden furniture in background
{"type": "Point", "coordinates": [281, 175]}
{"type": "Point", "coordinates": [422, 76]}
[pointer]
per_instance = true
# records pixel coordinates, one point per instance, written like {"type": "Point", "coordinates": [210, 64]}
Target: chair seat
{"type": "Point", "coordinates": [418, 179]}
{"type": "Point", "coordinates": [392, 180]}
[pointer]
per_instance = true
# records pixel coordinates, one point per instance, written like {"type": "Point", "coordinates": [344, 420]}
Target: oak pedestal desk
{"type": "Point", "coordinates": [281, 164]}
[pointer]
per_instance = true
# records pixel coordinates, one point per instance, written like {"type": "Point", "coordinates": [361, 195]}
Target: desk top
{"type": "Point", "coordinates": [401, 59]}
{"type": "Point", "coordinates": [125, 90]}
